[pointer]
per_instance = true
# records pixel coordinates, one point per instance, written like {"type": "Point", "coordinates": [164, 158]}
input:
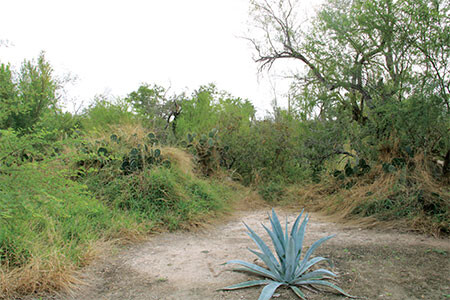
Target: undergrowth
{"type": "Point", "coordinates": [48, 226]}
{"type": "Point", "coordinates": [57, 214]}
{"type": "Point", "coordinates": [166, 197]}
{"type": "Point", "coordinates": [409, 198]}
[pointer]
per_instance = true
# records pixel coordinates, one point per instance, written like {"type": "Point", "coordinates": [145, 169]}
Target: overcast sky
{"type": "Point", "coordinates": [114, 46]}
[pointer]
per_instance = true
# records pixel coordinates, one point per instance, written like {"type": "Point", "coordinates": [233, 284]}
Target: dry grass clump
{"type": "Point", "coordinates": [38, 277]}
{"type": "Point", "coordinates": [43, 275]}
{"type": "Point", "coordinates": [181, 159]}
{"type": "Point", "coordinates": [410, 198]}
{"type": "Point", "coordinates": [131, 135]}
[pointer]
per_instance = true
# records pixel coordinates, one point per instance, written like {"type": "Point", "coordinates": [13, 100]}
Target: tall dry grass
{"type": "Point", "coordinates": [414, 190]}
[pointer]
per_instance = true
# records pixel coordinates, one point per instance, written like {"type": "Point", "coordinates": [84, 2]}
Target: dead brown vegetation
{"type": "Point", "coordinates": [415, 200]}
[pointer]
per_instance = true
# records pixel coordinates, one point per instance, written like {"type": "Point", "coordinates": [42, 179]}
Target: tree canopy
{"type": "Point", "coordinates": [382, 63]}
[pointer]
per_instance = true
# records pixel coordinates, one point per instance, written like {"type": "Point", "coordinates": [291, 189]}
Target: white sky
{"type": "Point", "coordinates": [114, 46]}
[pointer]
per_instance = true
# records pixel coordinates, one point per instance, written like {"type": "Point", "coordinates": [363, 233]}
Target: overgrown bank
{"type": "Point", "coordinates": [409, 199]}
{"type": "Point", "coordinates": [58, 212]}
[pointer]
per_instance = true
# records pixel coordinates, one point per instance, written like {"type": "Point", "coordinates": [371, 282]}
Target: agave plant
{"type": "Point", "coordinates": [288, 268]}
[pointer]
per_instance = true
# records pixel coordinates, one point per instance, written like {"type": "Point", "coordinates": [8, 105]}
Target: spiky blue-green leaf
{"type": "Point", "coordinates": [311, 250]}
{"type": "Point", "coordinates": [298, 292]}
{"type": "Point", "coordinates": [295, 226]}
{"type": "Point", "coordinates": [253, 271]}
{"type": "Point", "coordinates": [256, 268]}
{"type": "Point", "coordinates": [309, 264]}
{"type": "Point", "coordinates": [328, 284]}
{"type": "Point", "coordinates": [268, 290]}
{"type": "Point", "coordinates": [317, 274]}
{"type": "Point", "coordinates": [286, 231]}
{"type": "Point", "coordinates": [246, 284]}
{"type": "Point", "coordinates": [262, 246]}
{"type": "Point", "coordinates": [273, 268]}
{"type": "Point", "coordinates": [276, 226]}
{"type": "Point", "coordinates": [291, 264]}
{"type": "Point", "coordinates": [300, 236]}
{"type": "Point", "coordinates": [279, 249]}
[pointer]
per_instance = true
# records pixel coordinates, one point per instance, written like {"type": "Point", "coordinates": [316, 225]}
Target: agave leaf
{"type": "Point", "coordinates": [254, 272]}
{"type": "Point", "coordinates": [276, 226]}
{"type": "Point", "coordinates": [317, 274]}
{"type": "Point", "coordinates": [311, 250]}
{"type": "Point", "coordinates": [262, 246]}
{"type": "Point", "coordinates": [255, 268]}
{"type": "Point", "coordinates": [245, 284]}
{"type": "Point", "coordinates": [286, 231]}
{"type": "Point", "coordinates": [328, 284]}
{"type": "Point", "coordinates": [300, 237]}
{"type": "Point", "coordinates": [290, 260]}
{"type": "Point", "coordinates": [273, 268]}
{"type": "Point", "coordinates": [279, 249]}
{"type": "Point", "coordinates": [309, 264]}
{"type": "Point", "coordinates": [295, 226]}
{"type": "Point", "coordinates": [289, 267]}
{"type": "Point", "coordinates": [298, 292]}
{"type": "Point", "coordinates": [268, 290]}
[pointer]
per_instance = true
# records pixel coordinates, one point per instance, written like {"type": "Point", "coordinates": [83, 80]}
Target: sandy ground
{"type": "Point", "coordinates": [188, 265]}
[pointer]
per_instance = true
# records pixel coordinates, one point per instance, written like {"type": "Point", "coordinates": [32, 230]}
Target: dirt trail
{"type": "Point", "coordinates": [187, 265]}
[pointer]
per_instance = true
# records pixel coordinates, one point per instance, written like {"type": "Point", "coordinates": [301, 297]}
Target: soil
{"type": "Point", "coordinates": [189, 265]}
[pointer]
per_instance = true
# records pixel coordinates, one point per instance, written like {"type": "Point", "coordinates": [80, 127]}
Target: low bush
{"type": "Point", "coordinates": [48, 225]}
{"type": "Point", "coordinates": [272, 191]}
{"type": "Point", "coordinates": [166, 197]}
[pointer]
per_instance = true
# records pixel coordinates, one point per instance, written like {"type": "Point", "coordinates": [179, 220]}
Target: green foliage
{"type": "Point", "coordinates": [43, 213]}
{"type": "Point", "coordinates": [379, 68]}
{"type": "Point", "coordinates": [148, 101]}
{"type": "Point", "coordinates": [207, 150]}
{"type": "Point", "coordinates": [155, 107]}
{"type": "Point", "coordinates": [28, 97]}
{"type": "Point", "coordinates": [8, 94]}
{"type": "Point", "coordinates": [163, 196]}
{"type": "Point", "coordinates": [269, 149]}
{"type": "Point", "coordinates": [272, 191]}
{"type": "Point", "coordinates": [287, 268]}
{"type": "Point", "coordinates": [104, 113]}
{"type": "Point", "coordinates": [199, 113]}
{"type": "Point", "coordinates": [29, 101]}
{"type": "Point", "coordinates": [209, 108]}
{"type": "Point", "coordinates": [360, 169]}
{"type": "Point", "coordinates": [118, 156]}
{"type": "Point", "coordinates": [16, 149]}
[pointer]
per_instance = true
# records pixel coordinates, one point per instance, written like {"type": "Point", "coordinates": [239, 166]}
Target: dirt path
{"type": "Point", "coordinates": [187, 265]}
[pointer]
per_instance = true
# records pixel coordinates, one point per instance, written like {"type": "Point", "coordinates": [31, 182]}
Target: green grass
{"type": "Point", "coordinates": [43, 212]}
{"type": "Point", "coordinates": [50, 224]}
{"type": "Point", "coordinates": [272, 191]}
{"type": "Point", "coordinates": [164, 196]}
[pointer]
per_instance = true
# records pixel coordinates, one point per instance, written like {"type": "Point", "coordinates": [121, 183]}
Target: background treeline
{"type": "Point", "coordinates": [366, 137]}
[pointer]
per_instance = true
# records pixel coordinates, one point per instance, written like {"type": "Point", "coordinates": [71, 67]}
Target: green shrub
{"type": "Point", "coordinates": [28, 96]}
{"type": "Point", "coordinates": [43, 212]}
{"type": "Point", "coordinates": [18, 149]}
{"type": "Point", "coordinates": [164, 196]}
{"type": "Point", "coordinates": [272, 191]}
{"type": "Point", "coordinates": [104, 113]}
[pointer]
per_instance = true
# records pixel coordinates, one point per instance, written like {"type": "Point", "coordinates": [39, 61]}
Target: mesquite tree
{"type": "Point", "coordinates": [383, 63]}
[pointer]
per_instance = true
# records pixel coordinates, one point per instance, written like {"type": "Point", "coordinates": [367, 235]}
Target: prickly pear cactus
{"type": "Point", "coordinates": [207, 150]}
